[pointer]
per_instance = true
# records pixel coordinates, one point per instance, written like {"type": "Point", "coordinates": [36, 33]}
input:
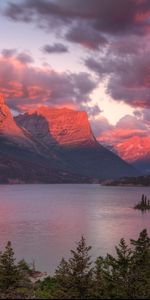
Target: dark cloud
{"type": "Point", "coordinates": [131, 122]}
{"type": "Point", "coordinates": [30, 86]}
{"type": "Point", "coordinates": [9, 52]}
{"type": "Point", "coordinates": [145, 117]}
{"type": "Point", "coordinates": [24, 58]}
{"type": "Point", "coordinates": [92, 111]}
{"type": "Point", "coordinates": [108, 16]}
{"type": "Point", "coordinates": [118, 29]}
{"type": "Point", "coordinates": [128, 77]}
{"type": "Point", "coordinates": [100, 126]}
{"type": "Point", "coordinates": [56, 48]}
{"type": "Point", "coordinates": [137, 114]}
{"type": "Point", "coordinates": [89, 23]}
{"type": "Point", "coordinates": [86, 36]}
{"type": "Point", "coordinates": [131, 45]}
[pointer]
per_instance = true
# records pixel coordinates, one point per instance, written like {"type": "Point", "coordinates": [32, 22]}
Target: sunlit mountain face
{"type": "Point", "coordinates": [135, 150]}
{"type": "Point", "coordinates": [84, 56]}
{"type": "Point", "coordinates": [54, 145]}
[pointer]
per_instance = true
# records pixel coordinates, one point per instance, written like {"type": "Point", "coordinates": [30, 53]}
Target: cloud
{"type": "Point", "coordinates": [86, 36]}
{"type": "Point", "coordinates": [93, 111]}
{"type": "Point", "coordinates": [129, 138]}
{"type": "Point", "coordinates": [56, 48]}
{"type": "Point", "coordinates": [27, 86]}
{"type": "Point", "coordinates": [100, 125]}
{"type": "Point", "coordinates": [137, 114]}
{"type": "Point", "coordinates": [22, 57]}
{"type": "Point", "coordinates": [108, 16]}
{"type": "Point", "coordinates": [126, 128]}
{"type": "Point", "coordinates": [9, 52]}
{"type": "Point", "coordinates": [128, 77]}
{"type": "Point", "coordinates": [118, 31]}
{"type": "Point", "coordinates": [25, 58]}
{"type": "Point", "coordinates": [92, 24]}
{"type": "Point", "coordinates": [145, 117]}
{"type": "Point", "coordinates": [131, 122]}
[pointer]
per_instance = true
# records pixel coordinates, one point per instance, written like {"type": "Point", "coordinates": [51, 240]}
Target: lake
{"type": "Point", "coordinates": [44, 222]}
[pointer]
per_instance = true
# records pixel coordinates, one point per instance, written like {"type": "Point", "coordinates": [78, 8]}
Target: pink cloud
{"type": "Point", "coordinates": [25, 85]}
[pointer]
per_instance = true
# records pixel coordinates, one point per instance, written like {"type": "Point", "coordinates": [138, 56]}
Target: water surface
{"type": "Point", "coordinates": [45, 221]}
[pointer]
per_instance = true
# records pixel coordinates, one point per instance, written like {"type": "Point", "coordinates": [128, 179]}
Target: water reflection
{"type": "Point", "coordinates": [45, 221]}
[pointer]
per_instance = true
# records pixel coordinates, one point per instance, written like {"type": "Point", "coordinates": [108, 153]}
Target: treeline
{"type": "Point", "coordinates": [126, 275]}
{"type": "Point", "coordinates": [144, 204]}
{"type": "Point", "coordinates": [129, 181]}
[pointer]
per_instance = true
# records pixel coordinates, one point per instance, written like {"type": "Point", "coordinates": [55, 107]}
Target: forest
{"type": "Point", "coordinates": [126, 275]}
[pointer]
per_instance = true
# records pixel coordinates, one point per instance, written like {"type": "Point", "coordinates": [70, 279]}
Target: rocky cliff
{"type": "Point", "coordinates": [54, 145]}
{"type": "Point", "coordinates": [68, 137]}
{"type": "Point", "coordinates": [58, 126]}
{"type": "Point", "coordinates": [10, 131]}
{"type": "Point", "coordinates": [136, 151]}
{"type": "Point", "coordinates": [7, 124]}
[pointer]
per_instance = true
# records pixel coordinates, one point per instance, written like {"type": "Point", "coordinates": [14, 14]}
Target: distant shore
{"type": "Point", "coordinates": [129, 181]}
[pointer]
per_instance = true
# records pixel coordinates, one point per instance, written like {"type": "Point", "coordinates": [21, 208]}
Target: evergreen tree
{"type": "Point", "coordinates": [9, 274]}
{"type": "Point", "coordinates": [25, 274]}
{"type": "Point", "coordinates": [141, 266]}
{"type": "Point", "coordinates": [120, 270]}
{"type": "Point", "coordinates": [142, 246]}
{"type": "Point", "coordinates": [102, 279]}
{"type": "Point", "coordinates": [143, 198]}
{"type": "Point", "coordinates": [74, 277]}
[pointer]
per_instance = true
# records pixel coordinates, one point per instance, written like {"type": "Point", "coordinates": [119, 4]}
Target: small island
{"type": "Point", "coordinates": [144, 204]}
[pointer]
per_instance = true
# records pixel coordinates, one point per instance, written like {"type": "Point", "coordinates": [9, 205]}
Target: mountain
{"type": "Point", "coordinates": [21, 157]}
{"type": "Point", "coordinates": [66, 135]}
{"type": "Point", "coordinates": [52, 145]}
{"type": "Point", "coordinates": [63, 127]}
{"type": "Point", "coordinates": [8, 126]}
{"type": "Point", "coordinates": [10, 131]}
{"type": "Point", "coordinates": [136, 151]}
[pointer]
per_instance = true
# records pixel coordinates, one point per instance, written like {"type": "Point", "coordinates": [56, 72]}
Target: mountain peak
{"type": "Point", "coordinates": [8, 126]}
{"type": "Point", "coordinates": [64, 126]}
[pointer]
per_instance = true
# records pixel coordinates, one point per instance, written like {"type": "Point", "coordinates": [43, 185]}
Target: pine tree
{"type": "Point", "coordinates": [142, 245]}
{"type": "Point", "coordinates": [142, 202]}
{"type": "Point", "coordinates": [74, 277]}
{"type": "Point", "coordinates": [102, 279]}
{"type": "Point", "coordinates": [24, 273]}
{"type": "Point", "coordinates": [141, 266]}
{"type": "Point", "coordinates": [120, 270]}
{"type": "Point", "coordinates": [8, 271]}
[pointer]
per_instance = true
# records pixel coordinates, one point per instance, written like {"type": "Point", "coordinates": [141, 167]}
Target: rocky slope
{"type": "Point", "coordinates": [58, 126]}
{"type": "Point", "coordinates": [66, 134]}
{"type": "Point", "coordinates": [10, 131]}
{"type": "Point", "coordinates": [134, 148]}
{"type": "Point", "coordinates": [136, 151]}
{"type": "Point", "coordinates": [21, 157]}
{"type": "Point", "coordinates": [8, 126]}
{"type": "Point", "coordinates": [53, 145]}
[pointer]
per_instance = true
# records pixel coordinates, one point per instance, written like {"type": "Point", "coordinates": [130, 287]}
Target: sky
{"type": "Point", "coordinates": [90, 55]}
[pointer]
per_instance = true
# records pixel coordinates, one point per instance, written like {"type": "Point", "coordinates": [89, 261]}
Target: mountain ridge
{"type": "Point", "coordinates": [135, 150]}
{"type": "Point", "coordinates": [58, 146]}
